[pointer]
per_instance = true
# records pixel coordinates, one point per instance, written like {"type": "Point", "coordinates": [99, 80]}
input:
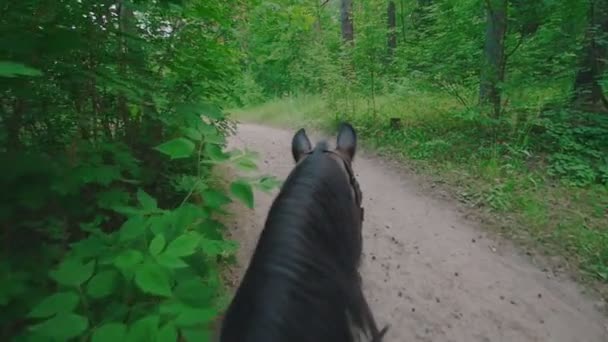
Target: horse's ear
{"type": "Point", "coordinates": [347, 140]}
{"type": "Point", "coordinates": [300, 145]}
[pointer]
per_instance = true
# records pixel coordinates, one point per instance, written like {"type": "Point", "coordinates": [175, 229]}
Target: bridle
{"type": "Point", "coordinates": [351, 179]}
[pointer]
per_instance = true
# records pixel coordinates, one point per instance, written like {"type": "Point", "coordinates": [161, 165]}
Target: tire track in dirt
{"type": "Point", "coordinates": [428, 272]}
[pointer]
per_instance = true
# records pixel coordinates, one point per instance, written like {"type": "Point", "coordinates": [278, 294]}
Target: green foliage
{"type": "Point", "coordinates": [110, 126]}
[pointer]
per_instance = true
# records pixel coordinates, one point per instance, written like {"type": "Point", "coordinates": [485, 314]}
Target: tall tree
{"type": "Point", "coordinates": [346, 20]}
{"type": "Point", "coordinates": [392, 27]}
{"type": "Point", "coordinates": [493, 65]}
{"type": "Point", "coordinates": [588, 92]}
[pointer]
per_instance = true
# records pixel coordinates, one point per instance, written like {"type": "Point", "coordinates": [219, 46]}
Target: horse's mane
{"type": "Point", "coordinates": [303, 283]}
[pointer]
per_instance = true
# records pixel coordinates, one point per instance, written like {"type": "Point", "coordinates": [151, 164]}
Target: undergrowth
{"type": "Point", "coordinates": [110, 128]}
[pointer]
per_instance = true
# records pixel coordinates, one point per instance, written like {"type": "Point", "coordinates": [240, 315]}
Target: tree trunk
{"type": "Point", "coordinates": [403, 20]}
{"type": "Point", "coordinates": [346, 20]}
{"type": "Point", "coordinates": [588, 92]}
{"type": "Point", "coordinates": [493, 66]}
{"type": "Point", "coordinates": [391, 19]}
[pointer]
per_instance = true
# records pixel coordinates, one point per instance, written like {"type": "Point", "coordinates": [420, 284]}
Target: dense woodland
{"type": "Point", "coordinates": [503, 101]}
{"type": "Point", "coordinates": [112, 117]}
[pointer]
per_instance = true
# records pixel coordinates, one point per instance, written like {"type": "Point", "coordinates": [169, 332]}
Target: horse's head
{"type": "Point", "coordinates": [343, 154]}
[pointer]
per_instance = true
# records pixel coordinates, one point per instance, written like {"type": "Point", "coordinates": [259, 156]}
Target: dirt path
{"type": "Point", "coordinates": [431, 274]}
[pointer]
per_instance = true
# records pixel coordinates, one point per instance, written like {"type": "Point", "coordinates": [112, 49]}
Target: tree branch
{"type": "Point", "coordinates": [519, 43]}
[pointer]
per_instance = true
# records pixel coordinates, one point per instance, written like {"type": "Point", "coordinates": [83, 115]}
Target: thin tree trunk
{"type": "Point", "coordinates": [403, 20]}
{"type": "Point", "coordinates": [493, 66]}
{"type": "Point", "coordinates": [392, 28]}
{"type": "Point", "coordinates": [588, 92]}
{"type": "Point", "coordinates": [346, 20]}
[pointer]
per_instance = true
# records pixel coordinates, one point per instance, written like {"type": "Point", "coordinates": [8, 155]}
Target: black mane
{"type": "Point", "coordinates": [303, 283]}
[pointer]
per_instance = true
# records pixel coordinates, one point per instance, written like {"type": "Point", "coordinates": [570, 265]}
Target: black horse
{"type": "Point", "coordinates": [303, 283]}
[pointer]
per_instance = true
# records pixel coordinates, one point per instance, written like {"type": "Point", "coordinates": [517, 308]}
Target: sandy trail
{"type": "Point", "coordinates": [428, 272]}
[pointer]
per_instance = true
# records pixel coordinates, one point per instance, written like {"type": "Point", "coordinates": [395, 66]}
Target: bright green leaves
{"type": "Point", "coordinates": [243, 191]}
{"type": "Point", "coordinates": [171, 261]}
{"type": "Point", "coordinates": [72, 272]}
{"type": "Point", "coordinates": [215, 153]}
{"type": "Point", "coordinates": [183, 245]}
{"type": "Point", "coordinates": [110, 332]}
{"type": "Point", "coordinates": [62, 327]}
{"type": "Point", "coordinates": [246, 165]}
{"type": "Point", "coordinates": [157, 244]}
{"type": "Point", "coordinates": [144, 330]}
{"type": "Point", "coordinates": [60, 302]}
{"type": "Point", "coordinates": [152, 279]}
{"type": "Point", "coordinates": [268, 183]}
{"type": "Point", "coordinates": [12, 69]}
{"type": "Point", "coordinates": [133, 228]}
{"type": "Point", "coordinates": [147, 202]}
{"type": "Point", "coordinates": [215, 199]}
{"type": "Point", "coordinates": [177, 148]}
{"type": "Point", "coordinates": [213, 248]}
{"type": "Point", "coordinates": [98, 141]}
{"type": "Point", "coordinates": [186, 315]}
{"type": "Point", "coordinates": [128, 260]}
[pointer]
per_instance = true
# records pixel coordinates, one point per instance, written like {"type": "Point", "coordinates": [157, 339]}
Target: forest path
{"type": "Point", "coordinates": [427, 271]}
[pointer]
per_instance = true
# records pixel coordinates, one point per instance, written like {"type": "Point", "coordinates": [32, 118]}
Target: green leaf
{"type": "Point", "coordinates": [177, 148]}
{"type": "Point", "coordinates": [189, 216]}
{"type": "Point", "coordinates": [151, 278]}
{"type": "Point", "coordinates": [242, 191]}
{"type": "Point", "coordinates": [192, 133]}
{"type": "Point", "coordinates": [214, 248]}
{"type": "Point", "coordinates": [61, 302]}
{"type": "Point", "coordinates": [147, 202]}
{"type": "Point", "coordinates": [213, 137]}
{"type": "Point", "coordinates": [157, 244]}
{"type": "Point", "coordinates": [196, 334]}
{"type": "Point", "coordinates": [268, 183]}
{"type": "Point", "coordinates": [126, 210]}
{"type": "Point", "coordinates": [12, 69]}
{"type": "Point", "coordinates": [62, 327]}
{"type": "Point", "coordinates": [93, 246]}
{"type": "Point", "coordinates": [215, 199]}
{"type": "Point", "coordinates": [72, 272]}
{"type": "Point", "coordinates": [168, 333]}
{"type": "Point", "coordinates": [170, 261]}
{"type": "Point", "coordinates": [183, 245]}
{"type": "Point", "coordinates": [143, 330]}
{"type": "Point", "coordinates": [161, 224]}
{"type": "Point", "coordinates": [128, 260]}
{"type": "Point", "coordinates": [110, 332]}
{"type": "Point", "coordinates": [188, 316]}
{"type": "Point", "coordinates": [102, 284]}
{"type": "Point", "coordinates": [246, 165]}
{"type": "Point", "coordinates": [133, 228]}
{"type": "Point", "coordinates": [215, 153]}
{"type": "Point", "coordinates": [196, 292]}
{"type": "Point", "coordinates": [211, 111]}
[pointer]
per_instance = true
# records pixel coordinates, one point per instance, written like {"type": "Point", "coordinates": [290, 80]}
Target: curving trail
{"type": "Point", "coordinates": [430, 273]}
